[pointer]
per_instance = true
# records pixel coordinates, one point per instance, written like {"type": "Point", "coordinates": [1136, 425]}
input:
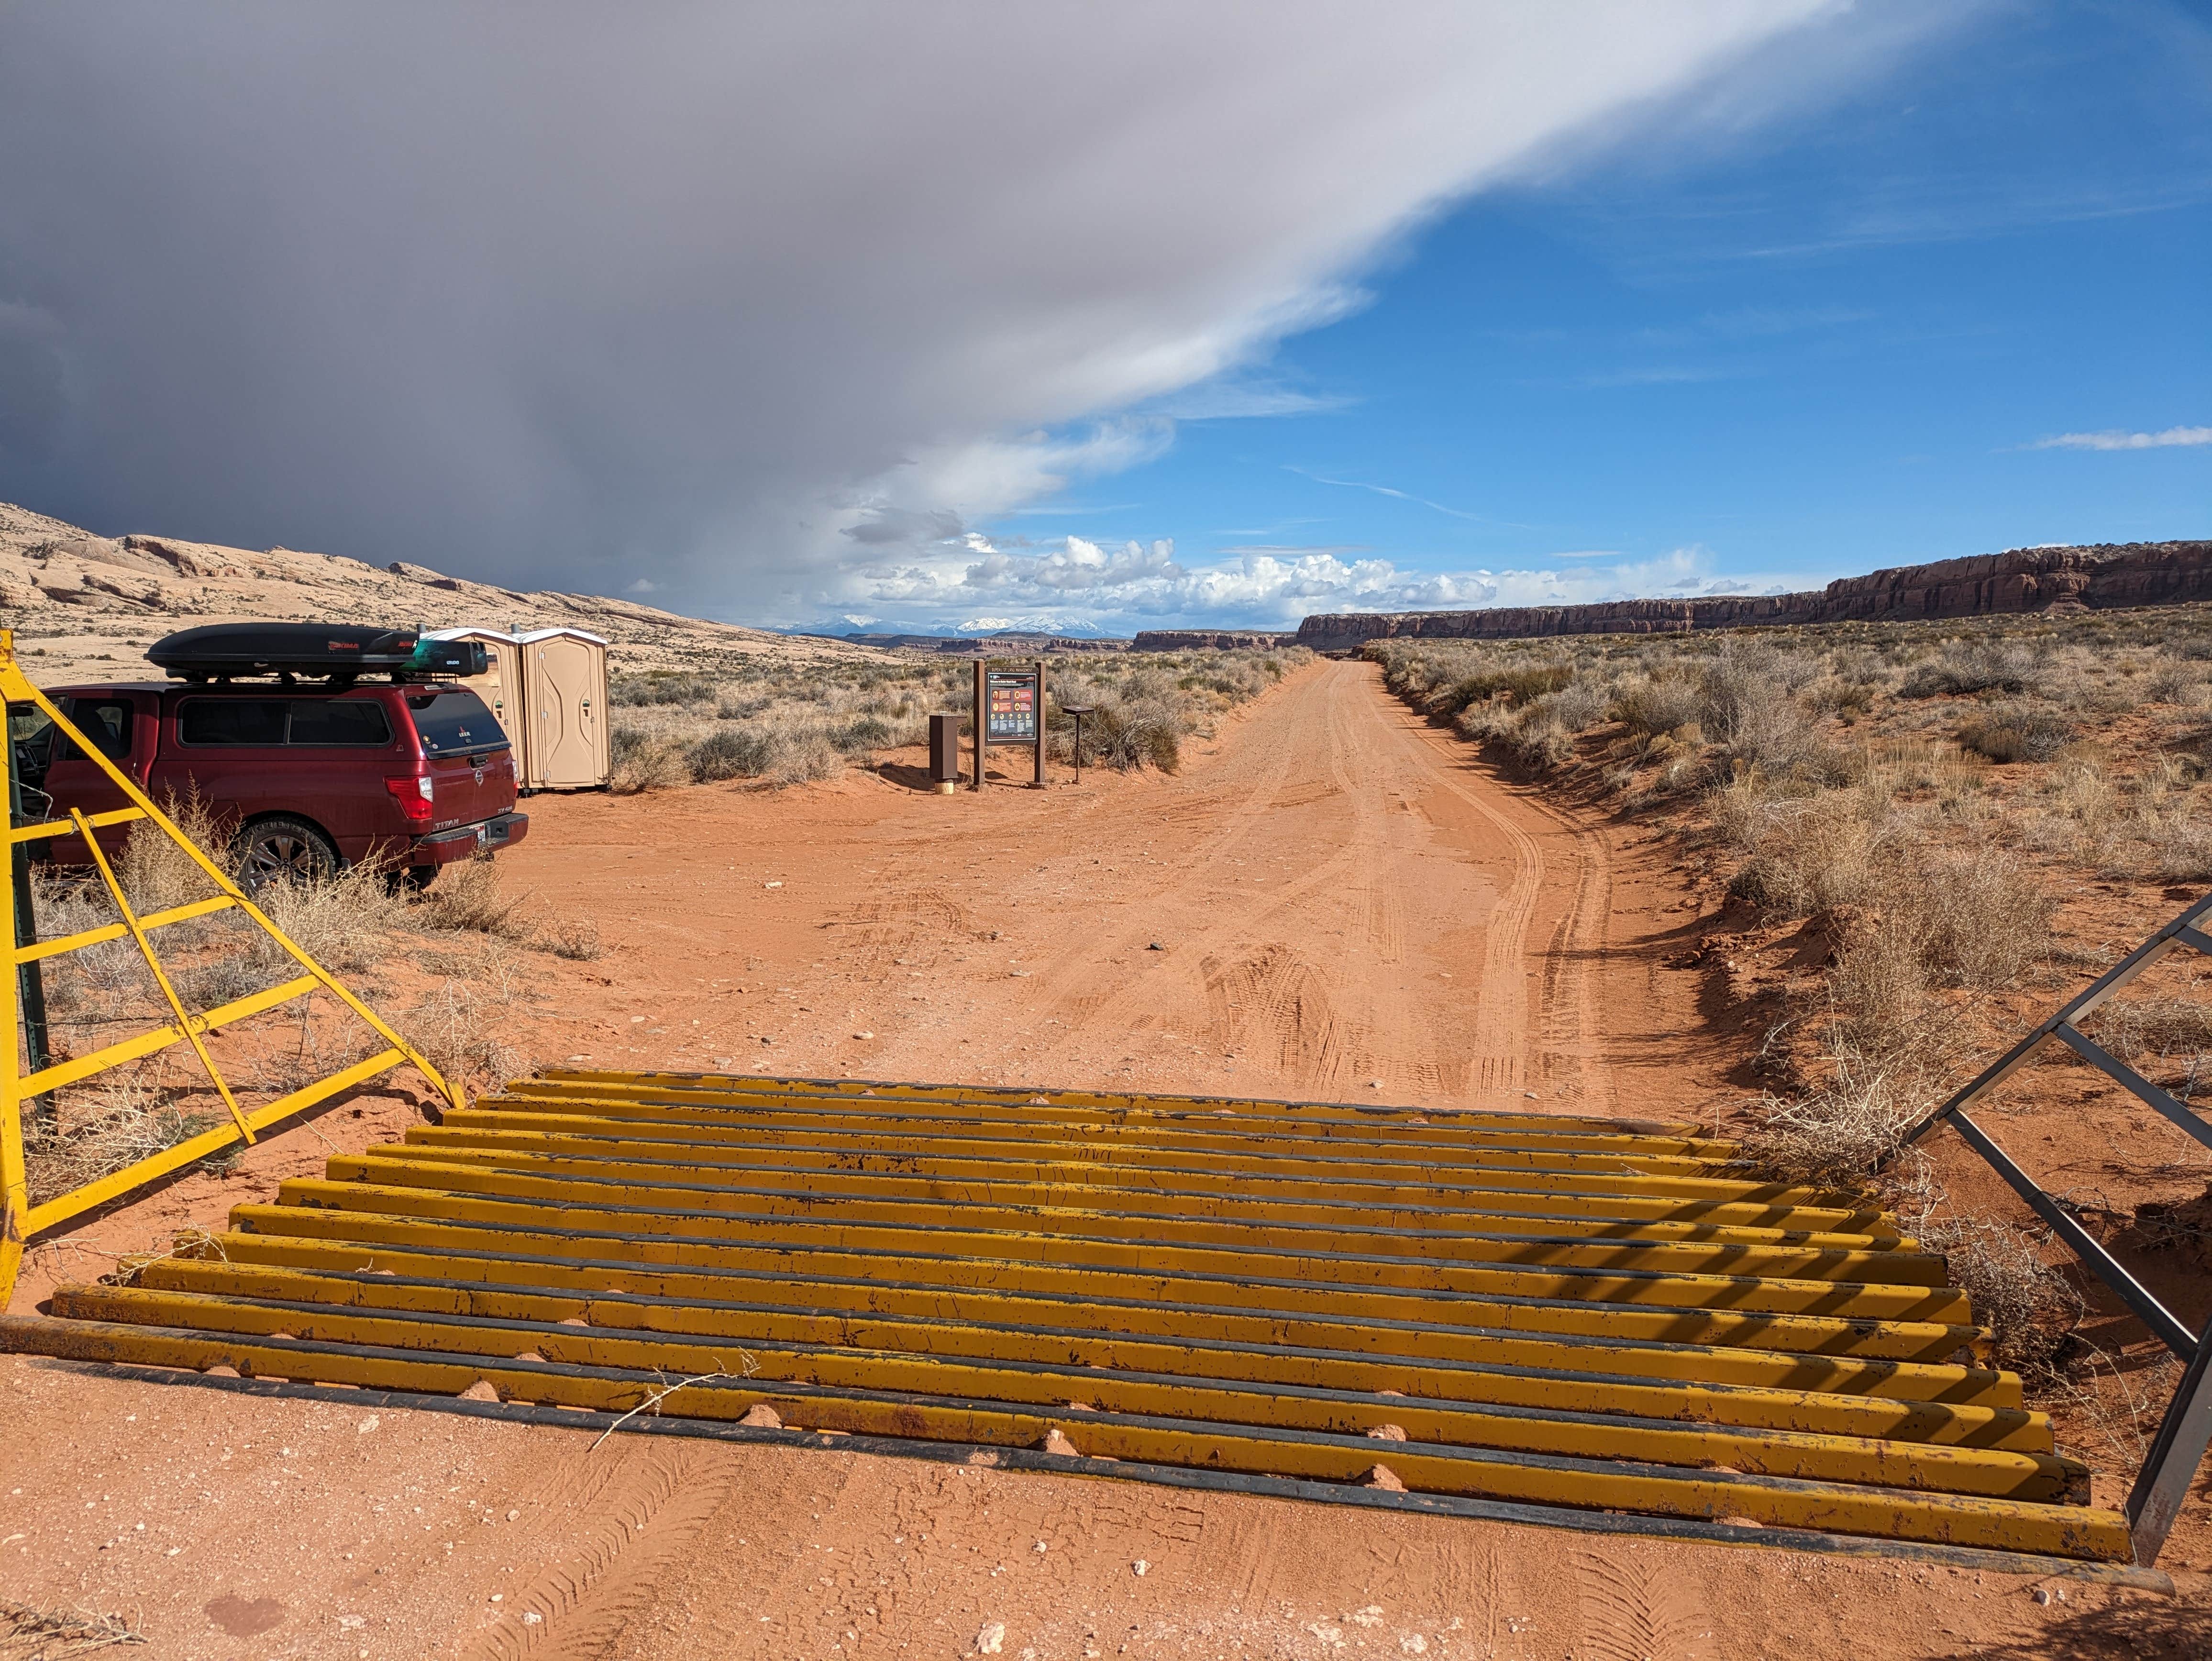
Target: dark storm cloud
{"type": "Point", "coordinates": [730, 300]}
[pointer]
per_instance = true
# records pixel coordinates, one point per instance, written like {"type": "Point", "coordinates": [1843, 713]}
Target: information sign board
{"type": "Point", "coordinates": [1010, 715]}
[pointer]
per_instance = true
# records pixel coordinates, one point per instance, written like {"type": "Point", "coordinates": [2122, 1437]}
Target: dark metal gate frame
{"type": "Point", "coordinates": [2184, 1432]}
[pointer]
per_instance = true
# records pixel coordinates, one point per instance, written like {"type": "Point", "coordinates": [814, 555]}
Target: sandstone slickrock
{"type": "Point", "coordinates": [2099, 576]}
{"type": "Point", "coordinates": [85, 607]}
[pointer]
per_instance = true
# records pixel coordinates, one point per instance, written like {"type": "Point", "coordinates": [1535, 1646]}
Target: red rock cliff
{"type": "Point", "coordinates": [2103, 577]}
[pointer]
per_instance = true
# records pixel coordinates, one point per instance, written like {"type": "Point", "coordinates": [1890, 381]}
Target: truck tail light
{"type": "Point", "coordinates": [412, 793]}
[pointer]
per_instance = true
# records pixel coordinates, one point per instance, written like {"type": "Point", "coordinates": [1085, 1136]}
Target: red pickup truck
{"type": "Point", "coordinates": [312, 777]}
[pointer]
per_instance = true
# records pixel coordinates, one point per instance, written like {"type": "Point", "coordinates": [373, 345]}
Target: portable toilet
{"type": "Point", "coordinates": [564, 700]}
{"type": "Point", "coordinates": [501, 684]}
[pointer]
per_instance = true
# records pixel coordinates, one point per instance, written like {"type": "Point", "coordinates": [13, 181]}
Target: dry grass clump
{"type": "Point", "coordinates": [1961, 669]}
{"type": "Point", "coordinates": [2173, 1033]}
{"type": "Point", "coordinates": [458, 1027]}
{"type": "Point", "coordinates": [34, 1634]}
{"type": "Point", "coordinates": [1843, 1134]}
{"type": "Point", "coordinates": [638, 762]}
{"type": "Point", "coordinates": [2017, 732]}
{"type": "Point", "coordinates": [341, 921]}
{"type": "Point", "coordinates": [574, 938]}
{"type": "Point", "coordinates": [1837, 1136]}
{"type": "Point", "coordinates": [467, 898]}
{"type": "Point", "coordinates": [155, 872]}
{"type": "Point", "coordinates": [2030, 1310]}
{"type": "Point", "coordinates": [126, 1116]}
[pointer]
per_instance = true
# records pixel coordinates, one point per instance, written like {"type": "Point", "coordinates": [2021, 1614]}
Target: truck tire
{"type": "Point", "coordinates": [282, 847]}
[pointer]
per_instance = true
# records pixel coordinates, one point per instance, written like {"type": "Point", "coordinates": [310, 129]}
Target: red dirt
{"type": "Point", "coordinates": [1346, 905]}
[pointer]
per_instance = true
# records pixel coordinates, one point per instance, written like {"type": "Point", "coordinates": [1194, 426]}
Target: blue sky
{"type": "Point", "coordinates": [1825, 344]}
{"type": "Point", "coordinates": [1111, 317]}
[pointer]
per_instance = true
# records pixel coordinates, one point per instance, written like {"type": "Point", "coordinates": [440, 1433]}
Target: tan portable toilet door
{"type": "Point", "coordinates": [501, 686]}
{"type": "Point", "coordinates": [567, 704]}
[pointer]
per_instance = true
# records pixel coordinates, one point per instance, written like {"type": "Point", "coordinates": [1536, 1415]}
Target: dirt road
{"type": "Point", "coordinates": [1335, 901]}
{"type": "Point", "coordinates": [1331, 900]}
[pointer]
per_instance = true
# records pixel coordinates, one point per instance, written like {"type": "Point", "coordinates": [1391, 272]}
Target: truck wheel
{"type": "Point", "coordinates": [269, 849]}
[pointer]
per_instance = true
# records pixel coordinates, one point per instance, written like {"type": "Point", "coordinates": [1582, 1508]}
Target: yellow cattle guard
{"type": "Point", "coordinates": [1575, 1315]}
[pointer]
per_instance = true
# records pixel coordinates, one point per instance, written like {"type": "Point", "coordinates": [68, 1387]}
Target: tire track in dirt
{"type": "Point", "coordinates": [1340, 773]}
{"type": "Point", "coordinates": [623, 1516]}
{"type": "Point", "coordinates": [1630, 1611]}
{"type": "Point", "coordinates": [1501, 1028]}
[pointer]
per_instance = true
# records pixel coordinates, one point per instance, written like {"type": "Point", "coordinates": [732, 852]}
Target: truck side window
{"type": "Point", "coordinates": [231, 721]}
{"type": "Point", "coordinates": [106, 722]}
{"type": "Point", "coordinates": [337, 721]}
{"type": "Point", "coordinates": [30, 730]}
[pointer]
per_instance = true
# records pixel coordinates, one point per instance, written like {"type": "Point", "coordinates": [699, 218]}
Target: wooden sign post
{"type": "Point", "coordinates": [1009, 710]}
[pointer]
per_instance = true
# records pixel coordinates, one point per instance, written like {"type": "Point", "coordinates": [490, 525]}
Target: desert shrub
{"type": "Point", "coordinates": [467, 898]}
{"type": "Point", "coordinates": [1879, 989]}
{"type": "Point", "coordinates": [1837, 1136]}
{"type": "Point", "coordinates": [457, 1026]}
{"type": "Point", "coordinates": [661, 689]}
{"type": "Point", "coordinates": [2181, 849]}
{"type": "Point", "coordinates": [155, 873]}
{"type": "Point", "coordinates": [339, 921]}
{"type": "Point", "coordinates": [1520, 683]}
{"type": "Point", "coordinates": [128, 1120]}
{"type": "Point", "coordinates": [2161, 1027]}
{"type": "Point", "coordinates": [1133, 732]}
{"type": "Point", "coordinates": [1982, 916]}
{"type": "Point", "coordinates": [1648, 705]}
{"type": "Point", "coordinates": [220, 978]}
{"type": "Point", "coordinates": [803, 757]}
{"type": "Point", "coordinates": [575, 938]}
{"type": "Point", "coordinates": [1578, 706]}
{"type": "Point", "coordinates": [2030, 1309]}
{"type": "Point", "coordinates": [1804, 853]}
{"type": "Point", "coordinates": [640, 762]}
{"type": "Point", "coordinates": [2016, 732]}
{"type": "Point", "coordinates": [1960, 671]}
{"type": "Point", "coordinates": [2174, 683]}
{"type": "Point", "coordinates": [869, 733]}
{"type": "Point", "coordinates": [731, 753]}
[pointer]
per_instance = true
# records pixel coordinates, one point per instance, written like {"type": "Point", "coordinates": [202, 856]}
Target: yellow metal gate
{"type": "Point", "coordinates": [1556, 1313]}
{"type": "Point", "coordinates": [26, 1078]}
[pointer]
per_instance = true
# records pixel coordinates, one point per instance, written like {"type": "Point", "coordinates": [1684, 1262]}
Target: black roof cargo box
{"type": "Point", "coordinates": [218, 651]}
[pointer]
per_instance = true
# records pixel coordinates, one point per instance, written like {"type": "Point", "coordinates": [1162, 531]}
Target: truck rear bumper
{"type": "Point", "coordinates": [487, 837]}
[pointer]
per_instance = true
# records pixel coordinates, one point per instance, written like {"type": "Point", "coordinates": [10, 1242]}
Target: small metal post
{"type": "Point", "coordinates": [1036, 782]}
{"type": "Point", "coordinates": [1078, 711]}
{"type": "Point", "coordinates": [982, 715]}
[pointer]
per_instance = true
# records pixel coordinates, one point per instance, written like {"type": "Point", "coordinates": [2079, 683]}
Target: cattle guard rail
{"type": "Point", "coordinates": [2183, 1434]}
{"type": "Point", "coordinates": [29, 1073]}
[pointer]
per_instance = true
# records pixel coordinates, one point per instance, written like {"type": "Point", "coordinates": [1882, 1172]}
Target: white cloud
{"type": "Point", "coordinates": [735, 299]}
{"type": "Point", "coordinates": [2117, 440]}
{"type": "Point", "coordinates": [972, 582]}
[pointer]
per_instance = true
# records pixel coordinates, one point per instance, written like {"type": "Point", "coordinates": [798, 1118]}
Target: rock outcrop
{"type": "Point", "coordinates": [1007, 643]}
{"type": "Point", "coordinates": [83, 605]}
{"type": "Point", "coordinates": [2100, 577]}
{"type": "Point", "coordinates": [1209, 639]}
